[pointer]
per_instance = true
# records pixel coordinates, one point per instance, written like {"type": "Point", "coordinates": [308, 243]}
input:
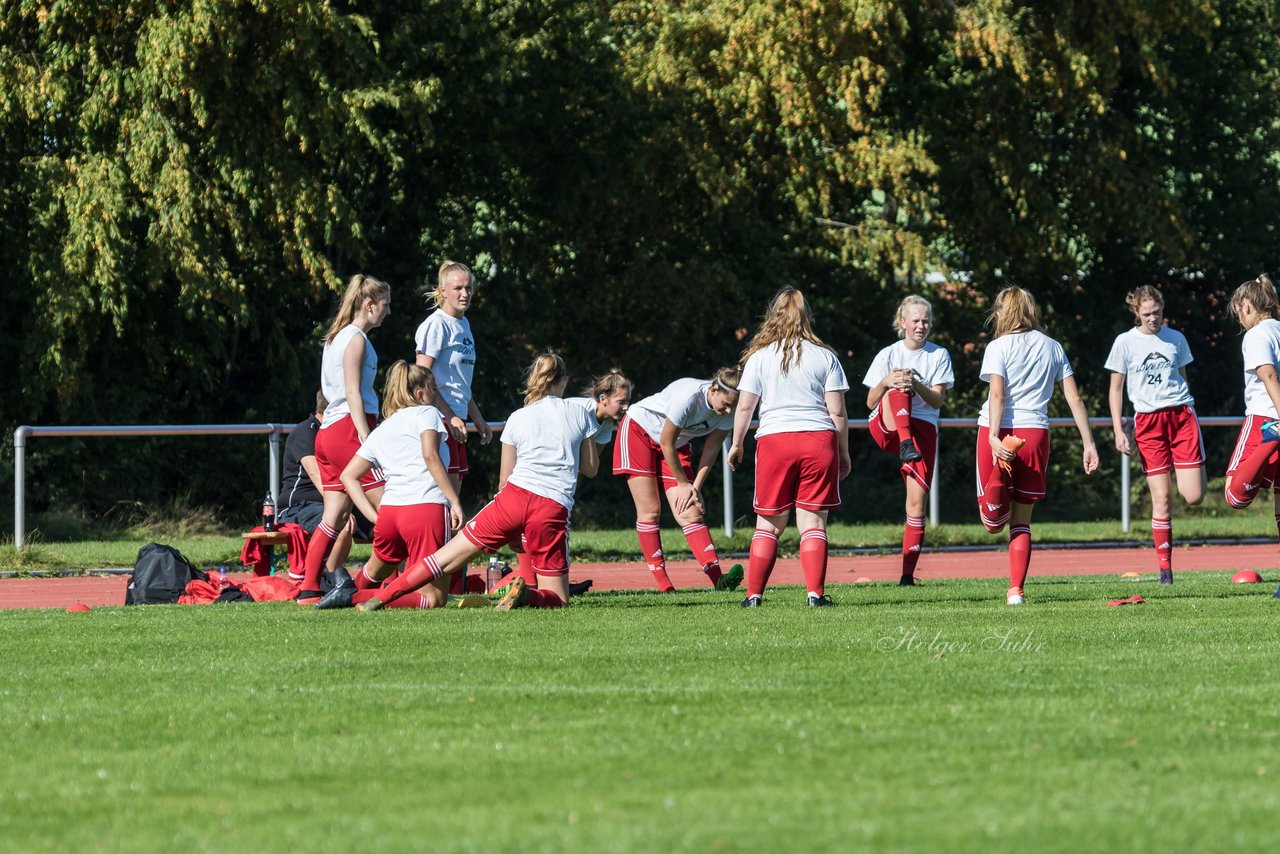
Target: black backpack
{"type": "Point", "coordinates": [160, 576]}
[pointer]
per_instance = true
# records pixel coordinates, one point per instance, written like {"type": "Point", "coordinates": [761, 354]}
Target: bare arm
{"type": "Point", "coordinates": [312, 468]}
{"type": "Point", "coordinates": [1115, 398]}
{"type": "Point", "coordinates": [350, 478]}
{"type": "Point", "coordinates": [482, 426]}
{"type": "Point", "coordinates": [710, 450]}
{"type": "Point", "coordinates": [747, 402]}
{"type": "Point", "coordinates": [352, 369]}
{"type": "Point", "coordinates": [995, 415]}
{"type": "Point", "coordinates": [1090, 456]}
{"type": "Point", "coordinates": [507, 466]}
{"type": "Point", "coordinates": [440, 474]}
{"type": "Point", "coordinates": [834, 401]}
{"type": "Point", "coordinates": [930, 394]}
{"type": "Point", "coordinates": [1267, 373]}
{"type": "Point", "coordinates": [589, 457]}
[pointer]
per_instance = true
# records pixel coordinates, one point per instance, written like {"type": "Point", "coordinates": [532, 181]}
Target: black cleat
{"type": "Point", "coordinates": [577, 588]}
{"type": "Point", "coordinates": [338, 597]}
{"type": "Point", "coordinates": [1166, 576]}
{"type": "Point", "coordinates": [907, 452]}
{"type": "Point", "coordinates": [753, 602]}
{"type": "Point", "coordinates": [820, 602]}
{"type": "Point", "coordinates": [907, 581]}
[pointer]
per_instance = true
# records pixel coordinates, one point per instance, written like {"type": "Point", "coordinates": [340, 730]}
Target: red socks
{"type": "Point", "coordinates": [544, 599]}
{"type": "Point", "coordinates": [411, 579]}
{"type": "Point", "coordinates": [363, 581]}
{"type": "Point", "coordinates": [900, 406]}
{"type": "Point", "coordinates": [993, 503]}
{"type": "Point", "coordinates": [650, 537]}
{"type": "Point", "coordinates": [1162, 534]}
{"type": "Point", "coordinates": [912, 539]}
{"type": "Point", "coordinates": [318, 549]}
{"type": "Point", "coordinates": [764, 554]}
{"type": "Point", "coordinates": [408, 600]}
{"type": "Point", "coordinates": [704, 551]}
{"type": "Point", "coordinates": [1019, 554]}
{"type": "Point", "coordinates": [813, 559]}
{"type": "Point", "coordinates": [1244, 480]}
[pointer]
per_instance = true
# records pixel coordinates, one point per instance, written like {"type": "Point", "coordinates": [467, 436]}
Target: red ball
{"type": "Point", "coordinates": [78, 608]}
{"type": "Point", "coordinates": [1246, 576]}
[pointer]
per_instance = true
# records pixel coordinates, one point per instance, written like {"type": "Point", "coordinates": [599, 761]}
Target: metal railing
{"type": "Point", "coordinates": [275, 431]}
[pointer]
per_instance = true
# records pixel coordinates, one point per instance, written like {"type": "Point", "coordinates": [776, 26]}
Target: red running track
{"type": "Point", "coordinates": [97, 590]}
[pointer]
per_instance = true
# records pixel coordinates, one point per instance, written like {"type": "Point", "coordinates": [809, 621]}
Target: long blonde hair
{"type": "Point", "coordinates": [908, 302]}
{"type": "Point", "coordinates": [359, 288]}
{"type": "Point", "coordinates": [403, 381]}
{"type": "Point", "coordinates": [1014, 310]}
{"type": "Point", "coordinates": [1261, 294]}
{"type": "Point", "coordinates": [787, 322]}
{"type": "Point", "coordinates": [546, 370]}
{"type": "Point", "coordinates": [447, 269]}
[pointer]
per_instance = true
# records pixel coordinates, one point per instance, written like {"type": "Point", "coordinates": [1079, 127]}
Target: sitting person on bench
{"type": "Point", "coordinates": [300, 494]}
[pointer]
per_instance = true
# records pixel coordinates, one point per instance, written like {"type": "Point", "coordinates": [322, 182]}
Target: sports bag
{"type": "Point", "coordinates": [160, 576]}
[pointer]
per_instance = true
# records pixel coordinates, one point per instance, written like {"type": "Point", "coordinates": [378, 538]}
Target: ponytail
{"type": "Point", "coordinates": [403, 382]}
{"type": "Point", "coordinates": [359, 288]}
{"type": "Point", "coordinates": [608, 384]}
{"type": "Point", "coordinates": [546, 371]}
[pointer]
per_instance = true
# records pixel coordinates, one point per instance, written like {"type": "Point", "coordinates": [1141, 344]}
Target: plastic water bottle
{"type": "Point", "coordinates": [269, 513]}
{"type": "Point", "coordinates": [494, 573]}
{"type": "Point", "coordinates": [222, 578]}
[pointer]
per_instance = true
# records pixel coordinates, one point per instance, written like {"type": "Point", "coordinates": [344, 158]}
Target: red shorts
{"type": "Point", "coordinates": [1250, 438]}
{"type": "Point", "coordinates": [335, 446]}
{"type": "Point", "coordinates": [515, 511]}
{"type": "Point", "coordinates": [1027, 486]}
{"type": "Point", "coordinates": [410, 532]}
{"type": "Point", "coordinates": [458, 463]}
{"type": "Point", "coordinates": [637, 455]}
{"type": "Point", "coordinates": [1168, 438]}
{"type": "Point", "coordinates": [924, 434]}
{"type": "Point", "coordinates": [797, 470]}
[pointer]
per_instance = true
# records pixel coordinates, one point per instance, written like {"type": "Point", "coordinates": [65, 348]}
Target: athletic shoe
{"type": "Point", "coordinates": [907, 581]}
{"type": "Point", "coordinates": [374, 604]}
{"type": "Point", "coordinates": [338, 597]}
{"type": "Point", "coordinates": [1277, 593]}
{"type": "Point", "coordinates": [757, 601]}
{"type": "Point", "coordinates": [1166, 576]}
{"type": "Point", "coordinates": [517, 595]}
{"type": "Point", "coordinates": [820, 601]}
{"type": "Point", "coordinates": [1012, 443]}
{"type": "Point", "coordinates": [470, 600]}
{"type": "Point", "coordinates": [577, 588]}
{"type": "Point", "coordinates": [908, 453]}
{"type": "Point", "coordinates": [1014, 596]}
{"type": "Point", "coordinates": [731, 579]}
{"type": "Point", "coordinates": [1270, 431]}
{"type": "Point", "coordinates": [309, 597]}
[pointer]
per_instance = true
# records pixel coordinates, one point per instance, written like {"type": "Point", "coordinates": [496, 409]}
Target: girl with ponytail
{"type": "Point", "coordinates": [545, 445]}
{"type": "Point", "coordinates": [655, 448]}
{"type": "Point", "coordinates": [348, 366]}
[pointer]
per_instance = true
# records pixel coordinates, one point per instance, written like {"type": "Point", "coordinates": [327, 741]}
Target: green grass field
{"type": "Point", "coordinates": [934, 718]}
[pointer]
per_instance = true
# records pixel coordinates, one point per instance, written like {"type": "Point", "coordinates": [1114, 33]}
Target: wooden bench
{"type": "Point", "coordinates": [271, 539]}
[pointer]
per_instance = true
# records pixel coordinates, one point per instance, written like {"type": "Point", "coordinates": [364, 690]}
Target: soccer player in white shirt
{"type": "Point", "coordinates": [419, 506]}
{"type": "Point", "coordinates": [655, 447]}
{"type": "Point", "coordinates": [1255, 463]}
{"type": "Point", "coordinates": [906, 383]}
{"type": "Point", "coordinates": [1150, 361]}
{"type": "Point", "coordinates": [1021, 365]}
{"type": "Point", "coordinates": [347, 369]}
{"type": "Point", "coordinates": [545, 446]}
{"type": "Point", "coordinates": [802, 443]}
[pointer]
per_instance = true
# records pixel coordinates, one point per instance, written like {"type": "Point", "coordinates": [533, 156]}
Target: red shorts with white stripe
{"type": "Point", "coordinates": [1168, 438]}
{"type": "Point", "coordinates": [410, 532]}
{"type": "Point", "coordinates": [1250, 437]}
{"type": "Point", "coordinates": [458, 463]}
{"type": "Point", "coordinates": [515, 511]}
{"type": "Point", "coordinates": [637, 455]}
{"type": "Point", "coordinates": [797, 470]}
{"type": "Point", "coordinates": [335, 446]}
{"type": "Point", "coordinates": [1027, 485]}
{"type": "Point", "coordinates": [924, 434]}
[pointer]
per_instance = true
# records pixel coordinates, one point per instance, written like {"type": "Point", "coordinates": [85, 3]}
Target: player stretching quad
{"type": "Point", "coordinates": [1021, 366]}
{"type": "Point", "coordinates": [1150, 362]}
{"type": "Point", "coordinates": [906, 383]}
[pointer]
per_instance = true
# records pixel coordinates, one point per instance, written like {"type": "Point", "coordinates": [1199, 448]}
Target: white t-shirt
{"type": "Point", "coordinates": [931, 364]}
{"type": "Point", "coordinates": [334, 386]}
{"type": "Point", "coordinates": [1261, 346]}
{"type": "Point", "coordinates": [684, 403]}
{"type": "Point", "coordinates": [547, 436]}
{"type": "Point", "coordinates": [1152, 368]}
{"type": "Point", "coordinates": [395, 446]}
{"type": "Point", "coordinates": [448, 340]}
{"type": "Point", "coordinates": [1031, 363]}
{"type": "Point", "coordinates": [604, 431]}
{"type": "Point", "coordinates": [793, 402]}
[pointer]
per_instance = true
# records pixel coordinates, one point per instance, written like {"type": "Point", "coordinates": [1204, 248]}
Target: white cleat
{"type": "Point", "coordinates": [1014, 597]}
